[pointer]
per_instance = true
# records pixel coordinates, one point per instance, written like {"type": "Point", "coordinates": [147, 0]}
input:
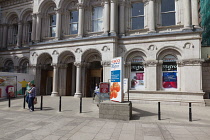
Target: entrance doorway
{"type": "Point", "coordinates": [94, 76]}
{"type": "Point", "coordinates": [46, 80]}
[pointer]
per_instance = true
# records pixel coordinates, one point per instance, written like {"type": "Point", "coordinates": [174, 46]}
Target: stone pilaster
{"type": "Point", "coordinates": [5, 35]}
{"type": "Point", "coordinates": [122, 18]}
{"type": "Point", "coordinates": [106, 17]}
{"type": "Point", "coordinates": [38, 27]}
{"type": "Point", "coordinates": [80, 7]}
{"type": "Point", "coordinates": [20, 33]}
{"type": "Point", "coordinates": [195, 16]}
{"type": "Point", "coordinates": [113, 17]}
{"type": "Point", "coordinates": [33, 35]}
{"type": "Point", "coordinates": [187, 15]}
{"type": "Point", "coordinates": [58, 24]}
{"type": "Point", "coordinates": [151, 16]}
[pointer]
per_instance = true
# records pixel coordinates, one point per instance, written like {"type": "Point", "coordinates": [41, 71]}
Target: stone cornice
{"type": "Point", "coordinates": [192, 61]}
{"type": "Point", "coordinates": [151, 63]}
{"type": "Point", "coordinates": [6, 3]}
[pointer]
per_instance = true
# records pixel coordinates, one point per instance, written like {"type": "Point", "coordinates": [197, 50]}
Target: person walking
{"type": "Point", "coordinates": [32, 95]}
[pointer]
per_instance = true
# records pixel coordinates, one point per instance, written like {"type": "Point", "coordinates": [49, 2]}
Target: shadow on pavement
{"type": "Point", "coordinates": [140, 113]}
{"type": "Point", "coordinates": [44, 108]}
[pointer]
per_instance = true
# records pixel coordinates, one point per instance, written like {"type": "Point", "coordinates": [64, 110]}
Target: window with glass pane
{"type": "Point", "coordinates": [73, 22]}
{"type": "Point", "coordinates": [168, 12]}
{"type": "Point", "coordinates": [29, 31]}
{"type": "Point", "coordinates": [169, 72]}
{"type": "Point", "coordinates": [137, 17]}
{"type": "Point", "coordinates": [52, 25]}
{"type": "Point", "coordinates": [97, 19]}
{"type": "Point", "coordinates": [15, 32]}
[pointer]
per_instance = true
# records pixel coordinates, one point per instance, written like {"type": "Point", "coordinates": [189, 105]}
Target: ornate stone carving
{"type": "Point", "coordinates": [151, 63]}
{"type": "Point", "coordinates": [105, 48]}
{"type": "Point", "coordinates": [78, 64]}
{"type": "Point", "coordinates": [62, 66]}
{"type": "Point", "coordinates": [188, 45]}
{"type": "Point", "coordinates": [78, 50]}
{"type": "Point", "coordinates": [16, 57]}
{"type": "Point", "coordinates": [192, 61]}
{"type": "Point", "coordinates": [13, 2]}
{"type": "Point", "coordinates": [106, 63]}
{"type": "Point", "coordinates": [152, 48]}
{"type": "Point", "coordinates": [35, 54]}
{"type": "Point", "coordinates": [55, 52]}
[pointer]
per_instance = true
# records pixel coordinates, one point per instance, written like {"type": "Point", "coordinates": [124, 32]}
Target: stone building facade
{"type": "Point", "coordinates": [68, 45]}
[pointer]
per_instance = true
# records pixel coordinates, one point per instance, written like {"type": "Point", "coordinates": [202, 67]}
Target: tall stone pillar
{"type": "Point", "coordinates": [151, 16]}
{"type": "Point", "coordinates": [106, 17]}
{"type": "Point", "coordinates": [5, 35]}
{"type": "Point", "coordinates": [38, 27]}
{"type": "Point", "coordinates": [179, 69]}
{"type": "Point", "coordinates": [20, 34]}
{"type": "Point", "coordinates": [195, 17]}
{"type": "Point", "coordinates": [187, 15]}
{"type": "Point", "coordinates": [58, 24]}
{"type": "Point", "coordinates": [55, 80]}
{"type": "Point", "coordinates": [62, 79]}
{"type": "Point", "coordinates": [33, 35]}
{"type": "Point", "coordinates": [106, 70]}
{"type": "Point", "coordinates": [122, 18]}
{"type": "Point", "coordinates": [113, 17]}
{"type": "Point", "coordinates": [78, 80]}
{"type": "Point", "coordinates": [81, 20]}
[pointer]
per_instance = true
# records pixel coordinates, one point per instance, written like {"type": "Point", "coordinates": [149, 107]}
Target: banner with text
{"type": "Point", "coordinates": [116, 88]}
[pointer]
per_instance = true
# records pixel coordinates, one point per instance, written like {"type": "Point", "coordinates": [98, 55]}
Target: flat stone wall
{"type": "Point", "coordinates": [116, 111]}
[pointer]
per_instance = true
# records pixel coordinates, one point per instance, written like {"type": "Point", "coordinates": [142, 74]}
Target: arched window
{"type": "Point", "coordinates": [169, 72]}
{"type": "Point", "coordinates": [13, 30]}
{"type": "Point", "coordinates": [168, 12]}
{"type": "Point", "coordinates": [137, 73]}
{"type": "Point", "coordinates": [137, 16]}
{"type": "Point", "coordinates": [9, 66]}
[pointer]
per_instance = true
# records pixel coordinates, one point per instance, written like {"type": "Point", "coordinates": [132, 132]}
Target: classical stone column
{"type": "Point", "coordinates": [58, 24]}
{"type": "Point", "coordinates": [5, 35]}
{"type": "Point", "coordinates": [113, 17]}
{"type": "Point", "coordinates": [106, 17]}
{"type": "Point", "coordinates": [62, 79]}
{"type": "Point", "coordinates": [179, 69]}
{"type": "Point", "coordinates": [38, 27]}
{"type": "Point", "coordinates": [106, 70]}
{"type": "Point", "coordinates": [195, 17]}
{"type": "Point", "coordinates": [78, 80]}
{"type": "Point", "coordinates": [151, 16]}
{"type": "Point", "coordinates": [33, 35]}
{"type": "Point", "coordinates": [55, 81]}
{"type": "Point", "coordinates": [122, 18]}
{"type": "Point", "coordinates": [81, 19]}
{"type": "Point", "coordinates": [20, 33]}
{"type": "Point", "coordinates": [187, 15]}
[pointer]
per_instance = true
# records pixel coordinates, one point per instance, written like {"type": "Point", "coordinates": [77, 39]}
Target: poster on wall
{"type": "Point", "coordinates": [116, 86]}
{"type": "Point", "coordinates": [169, 80]}
{"type": "Point", "coordinates": [8, 85]}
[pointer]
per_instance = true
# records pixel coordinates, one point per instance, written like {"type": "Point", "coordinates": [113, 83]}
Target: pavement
{"type": "Point", "coordinates": [17, 123]}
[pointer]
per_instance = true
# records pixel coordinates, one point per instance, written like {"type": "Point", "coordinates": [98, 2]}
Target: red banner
{"type": "Point", "coordinates": [104, 87]}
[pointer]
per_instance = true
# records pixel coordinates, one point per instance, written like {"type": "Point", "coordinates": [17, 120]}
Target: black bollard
{"type": "Point", "coordinates": [24, 102]}
{"type": "Point", "coordinates": [9, 100]}
{"type": "Point", "coordinates": [159, 114]}
{"type": "Point", "coordinates": [190, 112]}
{"type": "Point", "coordinates": [60, 104]}
{"type": "Point", "coordinates": [80, 104]}
{"type": "Point", "coordinates": [41, 102]}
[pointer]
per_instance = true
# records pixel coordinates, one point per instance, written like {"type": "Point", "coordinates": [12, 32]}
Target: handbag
{"type": "Point", "coordinates": [35, 100]}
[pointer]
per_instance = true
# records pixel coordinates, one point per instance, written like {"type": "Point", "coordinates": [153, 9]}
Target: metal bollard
{"type": "Point", "coordinates": [159, 113]}
{"type": "Point", "coordinates": [9, 100]}
{"type": "Point", "coordinates": [190, 112]}
{"type": "Point", "coordinates": [80, 104]}
{"type": "Point", "coordinates": [24, 102]}
{"type": "Point", "coordinates": [60, 104]}
{"type": "Point", "coordinates": [41, 102]}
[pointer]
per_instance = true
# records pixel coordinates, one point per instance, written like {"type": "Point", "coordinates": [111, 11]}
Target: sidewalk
{"type": "Point", "coordinates": [69, 124]}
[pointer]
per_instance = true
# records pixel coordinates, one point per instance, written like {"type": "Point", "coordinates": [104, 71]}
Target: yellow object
{"type": "Point", "coordinates": [24, 83]}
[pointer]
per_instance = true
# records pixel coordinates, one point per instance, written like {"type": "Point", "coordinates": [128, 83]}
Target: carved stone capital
{"type": "Point", "coordinates": [180, 63]}
{"type": "Point", "coordinates": [127, 64]}
{"type": "Point", "coordinates": [78, 64]}
{"type": "Point", "coordinates": [151, 63]}
{"type": "Point", "coordinates": [80, 5]}
{"type": "Point", "coordinates": [192, 61]}
{"type": "Point", "coordinates": [62, 66]}
{"type": "Point", "coordinates": [106, 63]}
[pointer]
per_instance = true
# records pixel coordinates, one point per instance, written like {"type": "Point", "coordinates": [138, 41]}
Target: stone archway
{"type": "Point", "coordinates": [45, 71]}
{"type": "Point", "coordinates": [92, 71]}
{"type": "Point", "coordinates": [67, 73]}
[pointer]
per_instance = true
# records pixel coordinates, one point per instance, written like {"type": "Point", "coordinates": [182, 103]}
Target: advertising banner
{"type": "Point", "coordinates": [169, 80]}
{"type": "Point", "coordinates": [8, 85]}
{"type": "Point", "coordinates": [104, 87]}
{"type": "Point", "coordinates": [116, 88]}
{"type": "Point", "coordinates": [125, 85]}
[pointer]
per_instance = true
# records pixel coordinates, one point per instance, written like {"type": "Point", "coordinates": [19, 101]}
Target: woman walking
{"type": "Point", "coordinates": [32, 95]}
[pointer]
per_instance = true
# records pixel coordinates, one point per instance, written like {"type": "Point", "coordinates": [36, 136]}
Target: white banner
{"type": "Point", "coordinates": [116, 87]}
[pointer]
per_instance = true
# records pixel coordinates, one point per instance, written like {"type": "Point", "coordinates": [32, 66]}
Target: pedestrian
{"type": "Point", "coordinates": [23, 84]}
{"type": "Point", "coordinates": [32, 95]}
{"type": "Point", "coordinates": [28, 88]}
